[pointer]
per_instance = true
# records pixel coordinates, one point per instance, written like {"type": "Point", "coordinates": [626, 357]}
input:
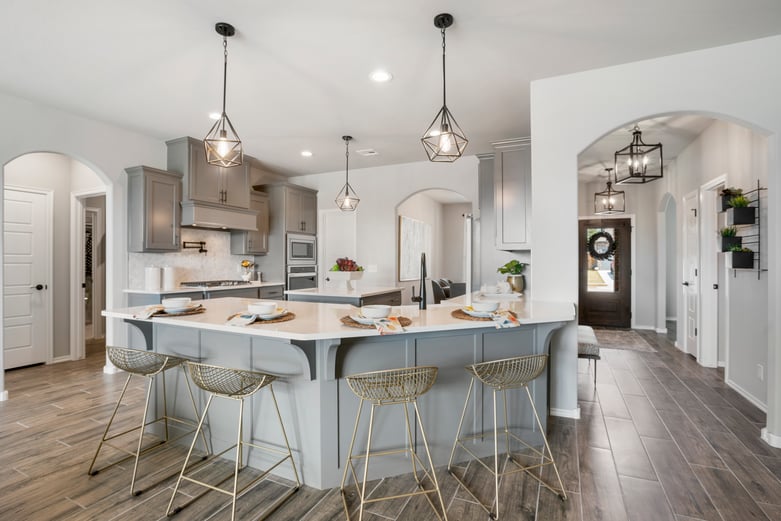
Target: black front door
{"type": "Point", "coordinates": [605, 273]}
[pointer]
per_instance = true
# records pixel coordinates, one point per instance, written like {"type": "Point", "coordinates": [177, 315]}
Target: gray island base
{"type": "Point", "coordinates": [315, 351]}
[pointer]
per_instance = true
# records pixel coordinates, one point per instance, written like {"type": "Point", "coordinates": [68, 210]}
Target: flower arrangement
{"type": "Point", "coordinates": [247, 266]}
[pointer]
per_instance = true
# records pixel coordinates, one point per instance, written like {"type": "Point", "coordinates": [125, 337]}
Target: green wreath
{"type": "Point", "coordinates": [601, 255]}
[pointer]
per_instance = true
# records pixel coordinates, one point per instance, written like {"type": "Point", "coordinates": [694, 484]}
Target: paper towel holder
{"type": "Point", "coordinates": [201, 245]}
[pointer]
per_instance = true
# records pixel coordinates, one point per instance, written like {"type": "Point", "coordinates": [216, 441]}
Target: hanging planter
{"type": "Point", "coordinates": [728, 243]}
{"type": "Point", "coordinates": [726, 197]}
{"type": "Point", "coordinates": [743, 259]}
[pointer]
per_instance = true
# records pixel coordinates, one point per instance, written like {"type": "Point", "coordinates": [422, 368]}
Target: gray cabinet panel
{"type": "Point", "coordinates": [272, 292]}
{"type": "Point", "coordinates": [300, 209]}
{"type": "Point", "coordinates": [309, 212]}
{"type": "Point", "coordinates": [239, 292]}
{"type": "Point", "coordinates": [392, 298]}
{"type": "Point", "coordinates": [249, 242]}
{"type": "Point", "coordinates": [512, 197]}
{"type": "Point", "coordinates": [153, 209]}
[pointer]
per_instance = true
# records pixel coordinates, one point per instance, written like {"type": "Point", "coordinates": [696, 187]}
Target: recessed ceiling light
{"type": "Point", "coordinates": [215, 115]}
{"type": "Point", "coordinates": [306, 153]}
{"type": "Point", "coordinates": [366, 152]}
{"type": "Point", "coordinates": [381, 76]}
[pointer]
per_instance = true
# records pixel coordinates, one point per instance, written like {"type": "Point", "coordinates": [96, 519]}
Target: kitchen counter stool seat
{"type": "Point", "coordinates": [149, 365]}
{"type": "Point", "coordinates": [392, 387]}
{"type": "Point", "coordinates": [235, 384]}
{"type": "Point", "coordinates": [588, 347]}
{"type": "Point", "coordinates": [502, 376]}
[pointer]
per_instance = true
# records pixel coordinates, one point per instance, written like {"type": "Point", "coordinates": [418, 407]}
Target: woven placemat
{"type": "Point", "coordinates": [162, 313]}
{"type": "Point", "coordinates": [347, 321]}
{"type": "Point", "coordinates": [284, 318]}
{"type": "Point", "coordinates": [459, 313]}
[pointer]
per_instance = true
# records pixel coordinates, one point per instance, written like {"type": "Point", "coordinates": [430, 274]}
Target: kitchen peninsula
{"type": "Point", "coordinates": [343, 295]}
{"type": "Point", "coordinates": [314, 351]}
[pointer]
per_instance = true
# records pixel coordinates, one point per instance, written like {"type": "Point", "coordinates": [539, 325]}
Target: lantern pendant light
{"type": "Point", "coordinates": [609, 201]}
{"type": "Point", "coordinates": [222, 143]}
{"type": "Point", "coordinates": [444, 140]}
{"type": "Point", "coordinates": [638, 162]}
{"type": "Point", "coordinates": [347, 200]}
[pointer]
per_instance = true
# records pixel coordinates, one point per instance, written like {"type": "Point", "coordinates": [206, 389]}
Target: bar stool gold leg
{"type": "Point", "coordinates": [563, 494]}
{"type": "Point", "coordinates": [105, 437]}
{"type": "Point", "coordinates": [430, 466]}
{"type": "Point", "coordinates": [349, 464]}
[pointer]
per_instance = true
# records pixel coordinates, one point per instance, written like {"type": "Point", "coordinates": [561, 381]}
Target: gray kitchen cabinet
{"type": "Point", "coordinates": [149, 299]}
{"type": "Point", "coordinates": [153, 209]}
{"type": "Point", "coordinates": [272, 292]}
{"type": "Point", "coordinates": [300, 210]}
{"type": "Point", "coordinates": [512, 194]}
{"type": "Point", "coordinates": [238, 292]}
{"type": "Point", "coordinates": [204, 182]}
{"type": "Point", "coordinates": [253, 242]}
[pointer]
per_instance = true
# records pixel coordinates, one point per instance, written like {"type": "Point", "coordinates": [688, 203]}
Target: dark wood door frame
{"type": "Point", "coordinates": [614, 308]}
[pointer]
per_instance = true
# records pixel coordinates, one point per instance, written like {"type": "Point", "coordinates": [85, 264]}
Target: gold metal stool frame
{"type": "Point", "coordinates": [234, 384]}
{"type": "Point", "coordinates": [503, 375]}
{"type": "Point", "coordinates": [147, 364]}
{"type": "Point", "coordinates": [392, 387]}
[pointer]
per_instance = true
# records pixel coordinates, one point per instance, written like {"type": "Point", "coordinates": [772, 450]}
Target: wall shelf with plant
{"type": "Point", "coordinates": [743, 215]}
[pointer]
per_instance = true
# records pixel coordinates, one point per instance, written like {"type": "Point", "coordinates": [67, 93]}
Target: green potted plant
{"type": "Point", "coordinates": [742, 258]}
{"type": "Point", "coordinates": [727, 194]}
{"type": "Point", "coordinates": [514, 271]}
{"type": "Point", "coordinates": [740, 211]}
{"type": "Point", "coordinates": [730, 238]}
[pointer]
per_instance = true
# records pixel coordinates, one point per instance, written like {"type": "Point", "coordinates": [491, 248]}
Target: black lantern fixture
{"type": "Point", "coordinates": [347, 200]}
{"type": "Point", "coordinates": [444, 140]}
{"type": "Point", "coordinates": [222, 143]}
{"type": "Point", "coordinates": [609, 201]}
{"type": "Point", "coordinates": [639, 162]}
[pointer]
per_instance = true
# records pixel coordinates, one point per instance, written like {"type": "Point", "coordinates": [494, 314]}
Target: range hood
{"type": "Point", "coordinates": [204, 215]}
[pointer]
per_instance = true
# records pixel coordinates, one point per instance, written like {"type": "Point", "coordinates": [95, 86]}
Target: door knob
{"type": "Point", "coordinates": [39, 287]}
{"type": "Point", "coordinates": [685, 283]}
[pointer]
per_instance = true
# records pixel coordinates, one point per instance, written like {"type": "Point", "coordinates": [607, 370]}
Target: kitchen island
{"type": "Point", "coordinates": [313, 353]}
{"type": "Point", "coordinates": [357, 297]}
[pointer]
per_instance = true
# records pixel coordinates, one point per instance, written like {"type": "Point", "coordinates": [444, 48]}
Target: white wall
{"type": "Point", "coordinates": [732, 81]}
{"type": "Point", "coordinates": [423, 208]}
{"type": "Point", "coordinates": [453, 241]}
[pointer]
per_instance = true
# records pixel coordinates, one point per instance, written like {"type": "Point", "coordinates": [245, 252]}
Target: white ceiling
{"type": "Point", "coordinates": [298, 71]}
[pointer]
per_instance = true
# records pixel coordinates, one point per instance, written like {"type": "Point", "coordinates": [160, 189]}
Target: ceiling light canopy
{"type": "Point", "coordinates": [444, 140]}
{"type": "Point", "coordinates": [306, 153]}
{"type": "Point", "coordinates": [381, 76]}
{"type": "Point", "coordinates": [347, 200]}
{"type": "Point", "coordinates": [638, 162]}
{"type": "Point", "coordinates": [609, 201]}
{"type": "Point", "coordinates": [222, 143]}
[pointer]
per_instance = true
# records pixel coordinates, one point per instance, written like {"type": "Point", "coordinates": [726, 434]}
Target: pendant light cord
{"type": "Point", "coordinates": [224, 75]}
{"type": "Point", "coordinates": [346, 167]}
{"type": "Point", "coordinates": [444, 77]}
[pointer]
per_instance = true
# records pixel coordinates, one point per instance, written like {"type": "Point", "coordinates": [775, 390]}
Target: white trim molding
{"type": "Point", "coordinates": [4, 396]}
{"type": "Point", "coordinates": [747, 395]}
{"type": "Point", "coordinates": [771, 439]}
{"type": "Point", "coordinates": [566, 413]}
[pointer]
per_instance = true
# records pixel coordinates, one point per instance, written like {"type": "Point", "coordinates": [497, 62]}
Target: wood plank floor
{"type": "Point", "coordinates": [660, 438]}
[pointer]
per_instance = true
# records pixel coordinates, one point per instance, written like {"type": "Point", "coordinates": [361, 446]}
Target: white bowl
{"type": "Point", "coordinates": [262, 308]}
{"type": "Point", "coordinates": [176, 303]}
{"type": "Point", "coordinates": [375, 311]}
{"type": "Point", "coordinates": [486, 306]}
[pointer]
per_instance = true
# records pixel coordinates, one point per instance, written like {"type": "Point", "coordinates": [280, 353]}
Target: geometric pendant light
{"type": "Point", "coordinates": [347, 200]}
{"type": "Point", "coordinates": [609, 201]}
{"type": "Point", "coordinates": [444, 140]}
{"type": "Point", "coordinates": [222, 143]}
{"type": "Point", "coordinates": [638, 162]}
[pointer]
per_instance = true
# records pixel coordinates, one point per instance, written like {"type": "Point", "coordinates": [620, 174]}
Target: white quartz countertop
{"type": "Point", "coordinates": [315, 321]}
{"type": "Point", "coordinates": [342, 291]}
{"type": "Point", "coordinates": [190, 289]}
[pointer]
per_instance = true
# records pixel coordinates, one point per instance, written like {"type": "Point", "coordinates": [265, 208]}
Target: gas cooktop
{"type": "Point", "coordinates": [213, 283]}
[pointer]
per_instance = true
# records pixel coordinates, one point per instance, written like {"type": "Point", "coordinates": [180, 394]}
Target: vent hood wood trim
{"type": "Point", "coordinates": [203, 215]}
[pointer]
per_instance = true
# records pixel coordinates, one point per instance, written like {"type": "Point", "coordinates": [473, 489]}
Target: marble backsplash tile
{"type": "Point", "coordinates": [217, 263]}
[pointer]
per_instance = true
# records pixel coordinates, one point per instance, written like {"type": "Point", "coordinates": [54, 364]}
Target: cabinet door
{"type": "Point", "coordinates": [204, 184]}
{"type": "Point", "coordinates": [236, 186]}
{"type": "Point", "coordinates": [162, 196]}
{"type": "Point", "coordinates": [309, 212]}
{"type": "Point", "coordinates": [272, 292]}
{"type": "Point", "coordinates": [293, 219]}
{"type": "Point", "coordinates": [512, 198]}
{"type": "Point", "coordinates": [257, 242]}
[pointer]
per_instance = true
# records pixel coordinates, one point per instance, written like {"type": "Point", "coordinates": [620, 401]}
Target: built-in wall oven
{"type": "Point", "coordinates": [302, 277]}
{"type": "Point", "coordinates": [301, 249]}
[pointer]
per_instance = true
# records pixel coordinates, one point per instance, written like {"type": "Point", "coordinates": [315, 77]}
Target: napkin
{"type": "Point", "coordinates": [149, 311]}
{"type": "Point", "coordinates": [388, 326]}
{"type": "Point", "coordinates": [504, 319]}
{"type": "Point", "coordinates": [241, 319]}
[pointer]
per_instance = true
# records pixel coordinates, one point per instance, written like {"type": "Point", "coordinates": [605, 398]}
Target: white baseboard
{"type": "Point", "coordinates": [722, 364]}
{"type": "Point", "coordinates": [638, 326]}
{"type": "Point", "coordinates": [111, 369]}
{"type": "Point", "coordinates": [770, 439]}
{"type": "Point", "coordinates": [4, 396]}
{"type": "Point", "coordinates": [661, 330]}
{"type": "Point", "coordinates": [566, 413]}
{"type": "Point", "coordinates": [747, 395]}
{"type": "Point", "coordinates": [672, 319]}
{"type": "Point", "coordinates": [60, 359]}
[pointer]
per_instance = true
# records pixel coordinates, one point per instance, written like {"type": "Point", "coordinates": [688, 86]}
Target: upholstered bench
{"type": "Point", "coordinates": [588, 347]}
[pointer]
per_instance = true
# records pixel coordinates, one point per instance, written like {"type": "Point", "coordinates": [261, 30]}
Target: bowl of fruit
{"type": "Point", "coordinates": [347, 270]}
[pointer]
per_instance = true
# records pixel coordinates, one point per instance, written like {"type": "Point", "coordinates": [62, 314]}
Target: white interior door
{"type": "Point", "coordinates": [26, 318]}
{"type": "Point", "coordinates": [337, 239]}
{"type": "Point", "coordinates": [691, 268]}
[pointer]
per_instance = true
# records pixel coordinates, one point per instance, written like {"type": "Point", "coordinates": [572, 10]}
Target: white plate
{"type": "Point", "coordinates": [363, 320]}
{"type": "Point", "coordinates": [271, 316]}
{"type": "Point", "coordinates": [184, 309]}
{"type": "Point", "coordinates": [479, 314]}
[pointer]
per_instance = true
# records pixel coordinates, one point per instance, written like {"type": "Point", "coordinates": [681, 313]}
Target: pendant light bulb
{"type": "Point", "coordinates": [347, 200]}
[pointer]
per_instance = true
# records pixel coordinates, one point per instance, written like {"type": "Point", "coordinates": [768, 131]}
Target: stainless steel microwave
{"type": "Point", "coordinates": [301, 249]}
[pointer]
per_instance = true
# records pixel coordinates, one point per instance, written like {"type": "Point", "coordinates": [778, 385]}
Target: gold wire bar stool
{"type": "Point", "coordinates": [234, 384]}
{"type": "Point", "coordinates": [147, 364]}
{"type": "Point", "coordinates": [392, 387]}
{"type": "Point", "coordinates": [501, 376]}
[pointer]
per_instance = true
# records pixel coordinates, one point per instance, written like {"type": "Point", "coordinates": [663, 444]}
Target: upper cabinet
{"type": "Point", "coordinates": [512, 194]}
{"type": "Point", "coordinates": [300, 210]}
{"type": "Point", "coordinates": [253, 242]}
{"type": "Point", "coordinates": [153, 209]}
{"type": "Point", "coordinates": [204, 182]}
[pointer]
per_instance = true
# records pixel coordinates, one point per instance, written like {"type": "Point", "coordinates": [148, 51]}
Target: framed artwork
{"type": "Point", "coordinates": [414, 239]}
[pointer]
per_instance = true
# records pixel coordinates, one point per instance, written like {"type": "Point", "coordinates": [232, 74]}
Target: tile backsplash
{"type": "Point", "coordinates": [216, 263]}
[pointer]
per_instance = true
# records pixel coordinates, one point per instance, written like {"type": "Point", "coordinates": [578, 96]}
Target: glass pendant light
{"type": "Point", "coordinates": [444, 140]}
{"type": "Point", "coordinates": [347, 200]}
{"type": "Point", "coordinates": [639, 162]}
{"type": "Point", "coordinates": [609, 201]}
{"type": "Point", "coordinates": [222, 143]}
